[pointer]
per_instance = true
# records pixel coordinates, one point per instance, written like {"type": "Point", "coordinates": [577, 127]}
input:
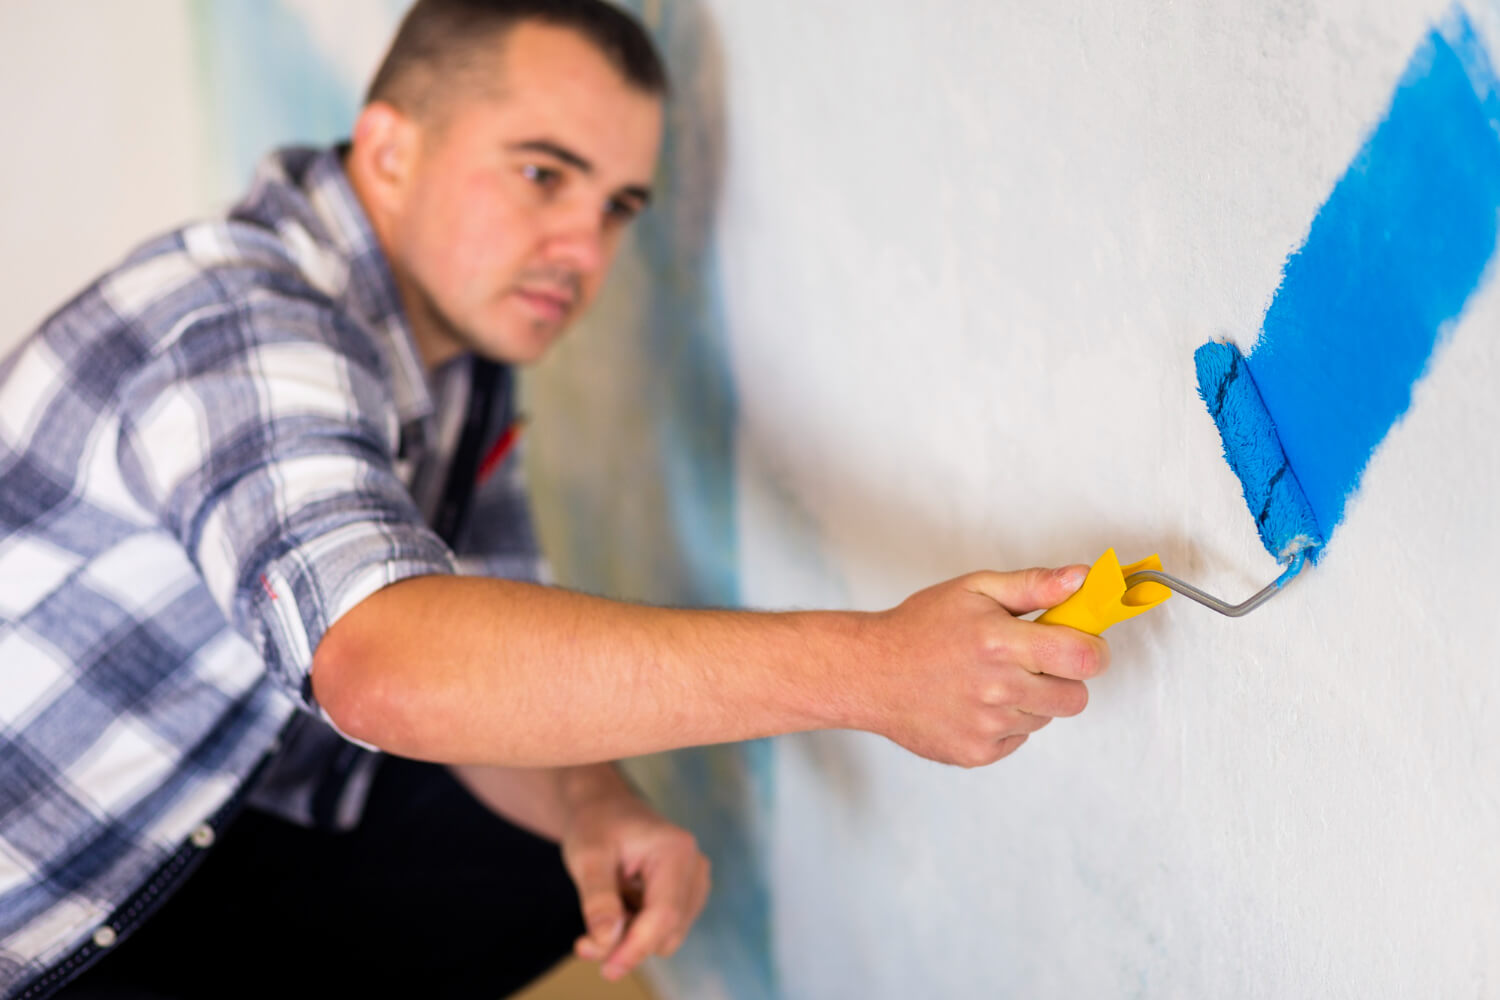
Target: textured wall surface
{"type": "Point", "coordinates": [967, 253]}
{"type": "Point", "coordinates": [920, 297]}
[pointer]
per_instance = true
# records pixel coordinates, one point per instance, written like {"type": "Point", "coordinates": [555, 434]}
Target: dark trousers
{"type": "Point", "coordinates": [431, 896]}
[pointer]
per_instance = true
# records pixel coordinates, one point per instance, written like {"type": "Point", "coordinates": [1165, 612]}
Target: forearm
{"type": "Point", "coordinates": [469, 670]}
{"type": "Point", "coordinates": [540, 799]}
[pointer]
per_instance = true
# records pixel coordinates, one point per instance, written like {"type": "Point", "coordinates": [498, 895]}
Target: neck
{"type": "Point", "coordinates": [436, 345]}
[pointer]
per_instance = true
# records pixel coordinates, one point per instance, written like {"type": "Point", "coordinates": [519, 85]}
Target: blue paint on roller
{"type": "Point", "coordinates": [1387, 266]}
{"type": "Point", "coordinates": [1283, 516]}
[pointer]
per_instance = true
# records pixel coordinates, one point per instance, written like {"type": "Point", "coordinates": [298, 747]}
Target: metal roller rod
{"type": "Point", "coordinates": [1210, 601]}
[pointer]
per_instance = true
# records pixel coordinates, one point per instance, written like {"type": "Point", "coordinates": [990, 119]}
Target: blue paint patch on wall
{"type": "Point", "coordinates": [1387, 266]}
{"type": "Point", "coordinates": [267, 84]}
{"type": "Point", "coordinates": [724, 794]}
{"type": "Point", "coordinates": [686, 339]}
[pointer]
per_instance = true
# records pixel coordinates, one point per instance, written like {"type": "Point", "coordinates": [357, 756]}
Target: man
{"type": "Point", "coordinates": [239, 476]}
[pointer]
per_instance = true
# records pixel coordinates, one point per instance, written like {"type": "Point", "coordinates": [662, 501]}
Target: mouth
{"type": "Point", "coordinates": [546, 303]}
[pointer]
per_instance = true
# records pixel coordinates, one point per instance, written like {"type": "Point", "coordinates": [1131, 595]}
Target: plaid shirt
{"type": "Point", "coordinates": [206, 458]}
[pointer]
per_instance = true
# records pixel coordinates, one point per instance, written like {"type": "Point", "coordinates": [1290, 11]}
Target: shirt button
{"type": "Point", "coordinates": [203, 836]}
{"type": "Point", "coordinates": [105, 936]}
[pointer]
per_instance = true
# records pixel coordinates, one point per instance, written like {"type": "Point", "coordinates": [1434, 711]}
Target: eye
{"type": "Point", "coordinates": [618, 210]}
{"type": "Point", "coordinates": [546, 178]}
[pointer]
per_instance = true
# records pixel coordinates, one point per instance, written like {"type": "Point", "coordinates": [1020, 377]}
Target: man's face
{"type": "Point", "coordinates": [513, 207]}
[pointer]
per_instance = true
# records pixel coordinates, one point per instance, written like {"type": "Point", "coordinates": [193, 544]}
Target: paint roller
{"type": "Point", "coordinates": [1112, 593]}
{"type": "Point", "coordinates": [1389, 262]}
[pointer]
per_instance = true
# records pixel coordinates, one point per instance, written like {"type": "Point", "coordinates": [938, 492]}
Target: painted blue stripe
{"type": "Point", "coordinates": [1387, 266]}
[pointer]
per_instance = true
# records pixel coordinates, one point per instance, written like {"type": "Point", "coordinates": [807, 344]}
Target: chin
{"type": "Point", "coordinates": [519, 347]}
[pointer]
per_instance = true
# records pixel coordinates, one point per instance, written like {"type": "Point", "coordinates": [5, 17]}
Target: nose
{"type": "Point", "coordinates": [578, 242]}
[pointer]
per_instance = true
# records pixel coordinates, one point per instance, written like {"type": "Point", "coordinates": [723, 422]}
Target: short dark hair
{"type": "Point", "coordinates": [441, 39]}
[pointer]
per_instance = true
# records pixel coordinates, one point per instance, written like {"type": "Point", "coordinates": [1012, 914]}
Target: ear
{"type": "Point", "coordinates": [383, 154]}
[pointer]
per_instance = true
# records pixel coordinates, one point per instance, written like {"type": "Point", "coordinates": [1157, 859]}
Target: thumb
{"type": "Point", "coordinates": [1027, 590]}
{"type": "Point", "coordinates": [603, 910]}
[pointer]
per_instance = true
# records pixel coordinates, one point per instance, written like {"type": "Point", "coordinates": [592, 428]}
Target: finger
{"type": "Point", "coordinates": [998, 724]}
{"type": "Point", "coordinates": [1055, 650]}
{"type": "Point", "coordinates": [663, 915]}
{"type": "Point", "coordinates": [1024, 723]}
{"type": "Point", "coordinates": [648, 932]}
{"type": "Point", "coordinates": [1009, 745]}
{"type": "Point", "coordinates": [599, 897]}
{"type": "Point", "coordinates": [1054, 697]}
{"type": "Point", "coordinates": [1028, 590]}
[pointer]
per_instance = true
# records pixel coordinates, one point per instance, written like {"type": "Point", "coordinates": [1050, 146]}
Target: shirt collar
{"type": "Point", "coordinates": [345, 253]}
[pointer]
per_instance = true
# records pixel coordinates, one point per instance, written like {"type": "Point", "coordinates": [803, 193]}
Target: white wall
{"type": "Point", "coordinates": [968, 250]}
{"type": "Point", "coordinates": [101, 114]}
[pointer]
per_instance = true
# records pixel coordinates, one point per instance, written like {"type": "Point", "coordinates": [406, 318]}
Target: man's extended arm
{"type": "Point", "coordinates": [466, 670]}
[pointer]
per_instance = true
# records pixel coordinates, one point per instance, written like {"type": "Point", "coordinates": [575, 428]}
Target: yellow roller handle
{"type": "Point", "coordinates": [1104, 600]}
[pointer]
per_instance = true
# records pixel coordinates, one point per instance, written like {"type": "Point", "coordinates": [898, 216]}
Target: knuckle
{"type": "Point", "coordinates": [998, 692]}
{"type": "Point", "coordinates": [1087, 659]}
{"type": "Point", "coordinates": [1091, 656]}
{"type": "Point", "coordinates": [997, 645]}
{"type": "Point", "coordinates": [1066, 655]}
{"type": "Point", "coordinates": [1037, 579]}
{"type": "Point", "coordinates": [970, 582]}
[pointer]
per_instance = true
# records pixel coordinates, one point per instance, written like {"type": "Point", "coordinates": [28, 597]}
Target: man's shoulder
{"type": "Point", "coordinates": [211, 295]}
{"type": "Point", "coordinates": [210, 273]}
{"type": "Point", "coordinates": [216, 294]}
{"type": "Point", "coordinates": [229, 261]}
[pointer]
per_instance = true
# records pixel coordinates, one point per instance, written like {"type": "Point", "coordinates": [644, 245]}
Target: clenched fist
{"type": "Point", "coordinates": [956, 677]}
{"type": "Point", "coordinates": [641, 880]}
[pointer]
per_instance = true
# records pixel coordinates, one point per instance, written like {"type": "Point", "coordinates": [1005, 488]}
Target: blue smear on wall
{"type": "Point", "coordinates": [723, 794]}
{"type": "Point", "coordinates": [268, 84]}
{"type": "Point", "coordinates": [1387, 266]}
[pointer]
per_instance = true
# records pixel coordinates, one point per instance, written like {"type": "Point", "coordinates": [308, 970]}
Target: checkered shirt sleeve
{"type": "Point", "coordinates": [197, 478]}
{"type": "Point", "coordinates": [263, 440]}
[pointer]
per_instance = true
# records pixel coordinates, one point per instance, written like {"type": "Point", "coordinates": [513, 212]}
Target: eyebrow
{"type": "Point", "coordinates": [557, 151]}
